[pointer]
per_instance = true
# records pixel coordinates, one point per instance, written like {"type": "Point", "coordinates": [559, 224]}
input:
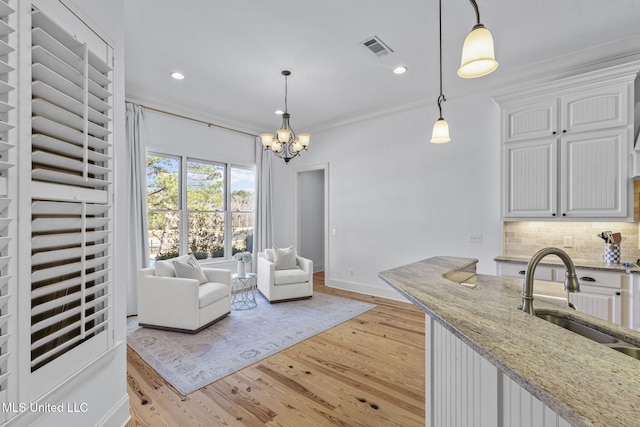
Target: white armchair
{"type": "Point", "coordinates": [183, 304]}
{"type": "Point", "coordinates": [279, 285]}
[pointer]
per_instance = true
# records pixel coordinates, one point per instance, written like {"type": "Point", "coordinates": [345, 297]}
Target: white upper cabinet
{"type": "Point", "coordinates": [531, 120]}
{"type": "Point", "coordinates": [566, 148]}
{"type": "Point", "coordinates": [530, 178]}
{"type": "Point", "coordinates": [594, 174]}
{"type": "Point", "coordinates": [593, 109]}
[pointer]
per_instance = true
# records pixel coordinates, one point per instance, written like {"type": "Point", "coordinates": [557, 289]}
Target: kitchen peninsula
{"type": "Point", "coordinates": [489, 364]}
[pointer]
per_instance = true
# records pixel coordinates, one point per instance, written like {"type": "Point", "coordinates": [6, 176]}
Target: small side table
{"type": "Point", "coordinates": [243, 291]}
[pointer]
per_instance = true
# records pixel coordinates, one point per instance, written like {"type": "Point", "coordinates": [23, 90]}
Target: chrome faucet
{"type": "Point", "coordinates": [571, 283]}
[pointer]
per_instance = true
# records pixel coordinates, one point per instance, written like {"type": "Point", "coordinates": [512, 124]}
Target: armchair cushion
{"type": "Point", "coordinates": [190, 270]}
{"type": "Point", "coordinates": [165, 268]}
{"type": "Point", "coordinates": [285, 258]}
{"type": "Point", "coordinates": [210, 292]}
{"type": "Point", "coordinates": [288, 277]}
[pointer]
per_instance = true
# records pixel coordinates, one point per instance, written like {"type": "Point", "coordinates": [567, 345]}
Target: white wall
{"type": "Point", "coordinates": [395, 198]}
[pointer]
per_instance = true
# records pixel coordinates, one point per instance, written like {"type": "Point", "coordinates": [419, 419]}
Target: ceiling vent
{"type": "Point", "coordinates": [377, 46]}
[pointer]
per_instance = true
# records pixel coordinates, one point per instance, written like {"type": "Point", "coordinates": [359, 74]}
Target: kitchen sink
{"type": "Point", "coordinates": [629, 351]}
{"type": "Point", "coordinates": [579, 328]}
{"type": "Point", "coordinates": [586, 331]}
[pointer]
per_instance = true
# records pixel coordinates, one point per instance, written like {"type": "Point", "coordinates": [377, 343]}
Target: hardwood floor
{"type": "Point", "coordinates": [367, 371]}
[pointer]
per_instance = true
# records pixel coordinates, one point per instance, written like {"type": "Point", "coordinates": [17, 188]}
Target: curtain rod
{"type": "Point", "coordinates": [192, 119]}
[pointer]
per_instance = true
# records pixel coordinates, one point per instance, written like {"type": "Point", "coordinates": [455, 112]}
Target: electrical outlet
{"type": "Point", "coordinates": [568, 241]}
{"type": "Point", "coordinates": [474, 238]}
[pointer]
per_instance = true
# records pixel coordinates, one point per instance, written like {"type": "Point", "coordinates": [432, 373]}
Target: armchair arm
{"type": "Point", "coordinates": [218, 275]}
{"type": "Point", "coordinates": [158, 296]}
{"type": "Point", "coordinates": [305, 264]}
{"type": "Point", "coordinates": [266, 272]}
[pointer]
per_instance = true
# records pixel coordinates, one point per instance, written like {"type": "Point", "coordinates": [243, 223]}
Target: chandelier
{"type": "Point", "coordinates": [285, 143]}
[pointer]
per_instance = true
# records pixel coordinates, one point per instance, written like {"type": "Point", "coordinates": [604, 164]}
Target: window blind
{"type": "Point", "coordinates": [70, 192]}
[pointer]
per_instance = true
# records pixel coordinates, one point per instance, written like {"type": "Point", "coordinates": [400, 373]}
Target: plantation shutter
{"type": "Point", "coordinates": [8, 103]}
{"type": "Point", "coordinates": [71, 195]}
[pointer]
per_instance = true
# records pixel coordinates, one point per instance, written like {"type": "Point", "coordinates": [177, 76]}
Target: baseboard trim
{"type": "Point", "coordinates": [118, 416]}
{"type": "Point", "coordinates": [361, 288]}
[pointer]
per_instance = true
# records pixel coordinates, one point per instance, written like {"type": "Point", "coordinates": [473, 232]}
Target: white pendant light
{"type": "Point", "coordinates": [440, 133]}
{"type": "Point", "coordinates": [478, 57]}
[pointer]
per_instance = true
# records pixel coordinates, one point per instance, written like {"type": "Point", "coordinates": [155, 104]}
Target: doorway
{"type": "Point", "coordinates": [312, 215]}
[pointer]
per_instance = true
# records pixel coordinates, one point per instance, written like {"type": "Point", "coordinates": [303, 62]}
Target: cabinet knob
{"type": "Point", "coordinates": [554, 132]}
{"type": "Point", "coordinates": [618, 293]}
{"type": "Point", "coordinates": [522, 272]}
{"type": "Point", "coordinates": [554, 214]}
{"type": "Point", "coordinates": [564, 131]}
{"type": "Point", "coordinates": [564, 214]}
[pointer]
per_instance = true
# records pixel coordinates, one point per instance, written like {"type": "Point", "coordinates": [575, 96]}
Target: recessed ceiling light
{"type": "Point", "coordinates": [400, 70]}
{"type": "Point", "coordinates": [178, 76]}
{"type": "Point", "coordinates": [279, 112]}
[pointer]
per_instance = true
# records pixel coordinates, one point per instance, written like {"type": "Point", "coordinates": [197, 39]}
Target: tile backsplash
{"type": "Point", "coordinates": [525, 238]}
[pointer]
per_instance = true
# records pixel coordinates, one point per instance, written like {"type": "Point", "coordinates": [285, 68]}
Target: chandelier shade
{"type": "Point", "coordinates": [478, 57]}
{"type": "Point", "coordinates": [285, 144]}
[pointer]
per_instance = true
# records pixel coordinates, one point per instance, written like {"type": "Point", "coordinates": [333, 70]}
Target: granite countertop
{"type": "Point", "coordinates": [586, 383]}
{"type": "Point", "coordinates": [578, 263]}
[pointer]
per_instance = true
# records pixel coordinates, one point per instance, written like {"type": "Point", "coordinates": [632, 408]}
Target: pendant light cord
{"type": "Point", "coordinates": [475, 6]}
{"type": "Point", "coordinates": [441, 98]}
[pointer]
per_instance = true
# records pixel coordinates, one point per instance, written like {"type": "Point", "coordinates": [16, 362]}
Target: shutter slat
{"type": "Point", "coordinates": [56, 130]}
{"type": "Point", "coordinates": [57, 224]}
{"type": "Point", "coordinates": [66, 239]}
{"type": "Point", "coordinates": [57, 146]}
{"type": "Point", "coordinates": [66, 269]}
{"type": "Point", "coordinates": [56, 81]}
{"type": "Point", "coordinates": [59, 286]}
{"type": "Point", "coordinates": [52, 320]}
{"type": "Point", "coordinates": [54, 161]}
{"type": "Point", "coordinates": [54, 96]}
{"type": "Point", "coordinates": [62, 208]}
{"type": "Point", "coordinates": [54, 112]}
{"type": "Point", "coordinates": [65, 178]}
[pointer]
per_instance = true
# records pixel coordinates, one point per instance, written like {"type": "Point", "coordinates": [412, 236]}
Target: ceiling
{"type": "Point", "coordinates": [232, 52]}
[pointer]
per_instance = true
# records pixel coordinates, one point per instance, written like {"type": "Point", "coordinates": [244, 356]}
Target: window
{"type": "Point", "coordinates": [243, 184]}
{"type": "Point", "coordinates": [207, 210]}
{"type": "Point", "coordinates": [163, 206]}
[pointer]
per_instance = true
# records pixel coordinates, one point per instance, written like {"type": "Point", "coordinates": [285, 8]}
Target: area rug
{"type": "Point", "coordinates": [189, 362]}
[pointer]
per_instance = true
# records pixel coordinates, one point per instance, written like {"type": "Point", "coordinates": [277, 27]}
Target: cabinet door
{"type": "Point", "coordinates": [530, 179]}
{"type": "Point", "coordinates": [598, 108]}
{"type": "Point", "coordinates": [593, 179]}
{"type": "Point", "coordinates": [603, 303]}
{"type": "Point", "coordinates": [533, 120]}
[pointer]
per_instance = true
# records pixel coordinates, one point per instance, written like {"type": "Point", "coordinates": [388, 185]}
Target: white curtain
{"type": "Point", "coordinates": [135, 172]}
{"type": "Point", "coordinates": [263, 233]}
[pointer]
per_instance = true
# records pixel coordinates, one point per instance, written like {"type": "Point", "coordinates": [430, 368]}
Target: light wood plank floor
{"type": "Point", "coordinates": [368, 371]}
